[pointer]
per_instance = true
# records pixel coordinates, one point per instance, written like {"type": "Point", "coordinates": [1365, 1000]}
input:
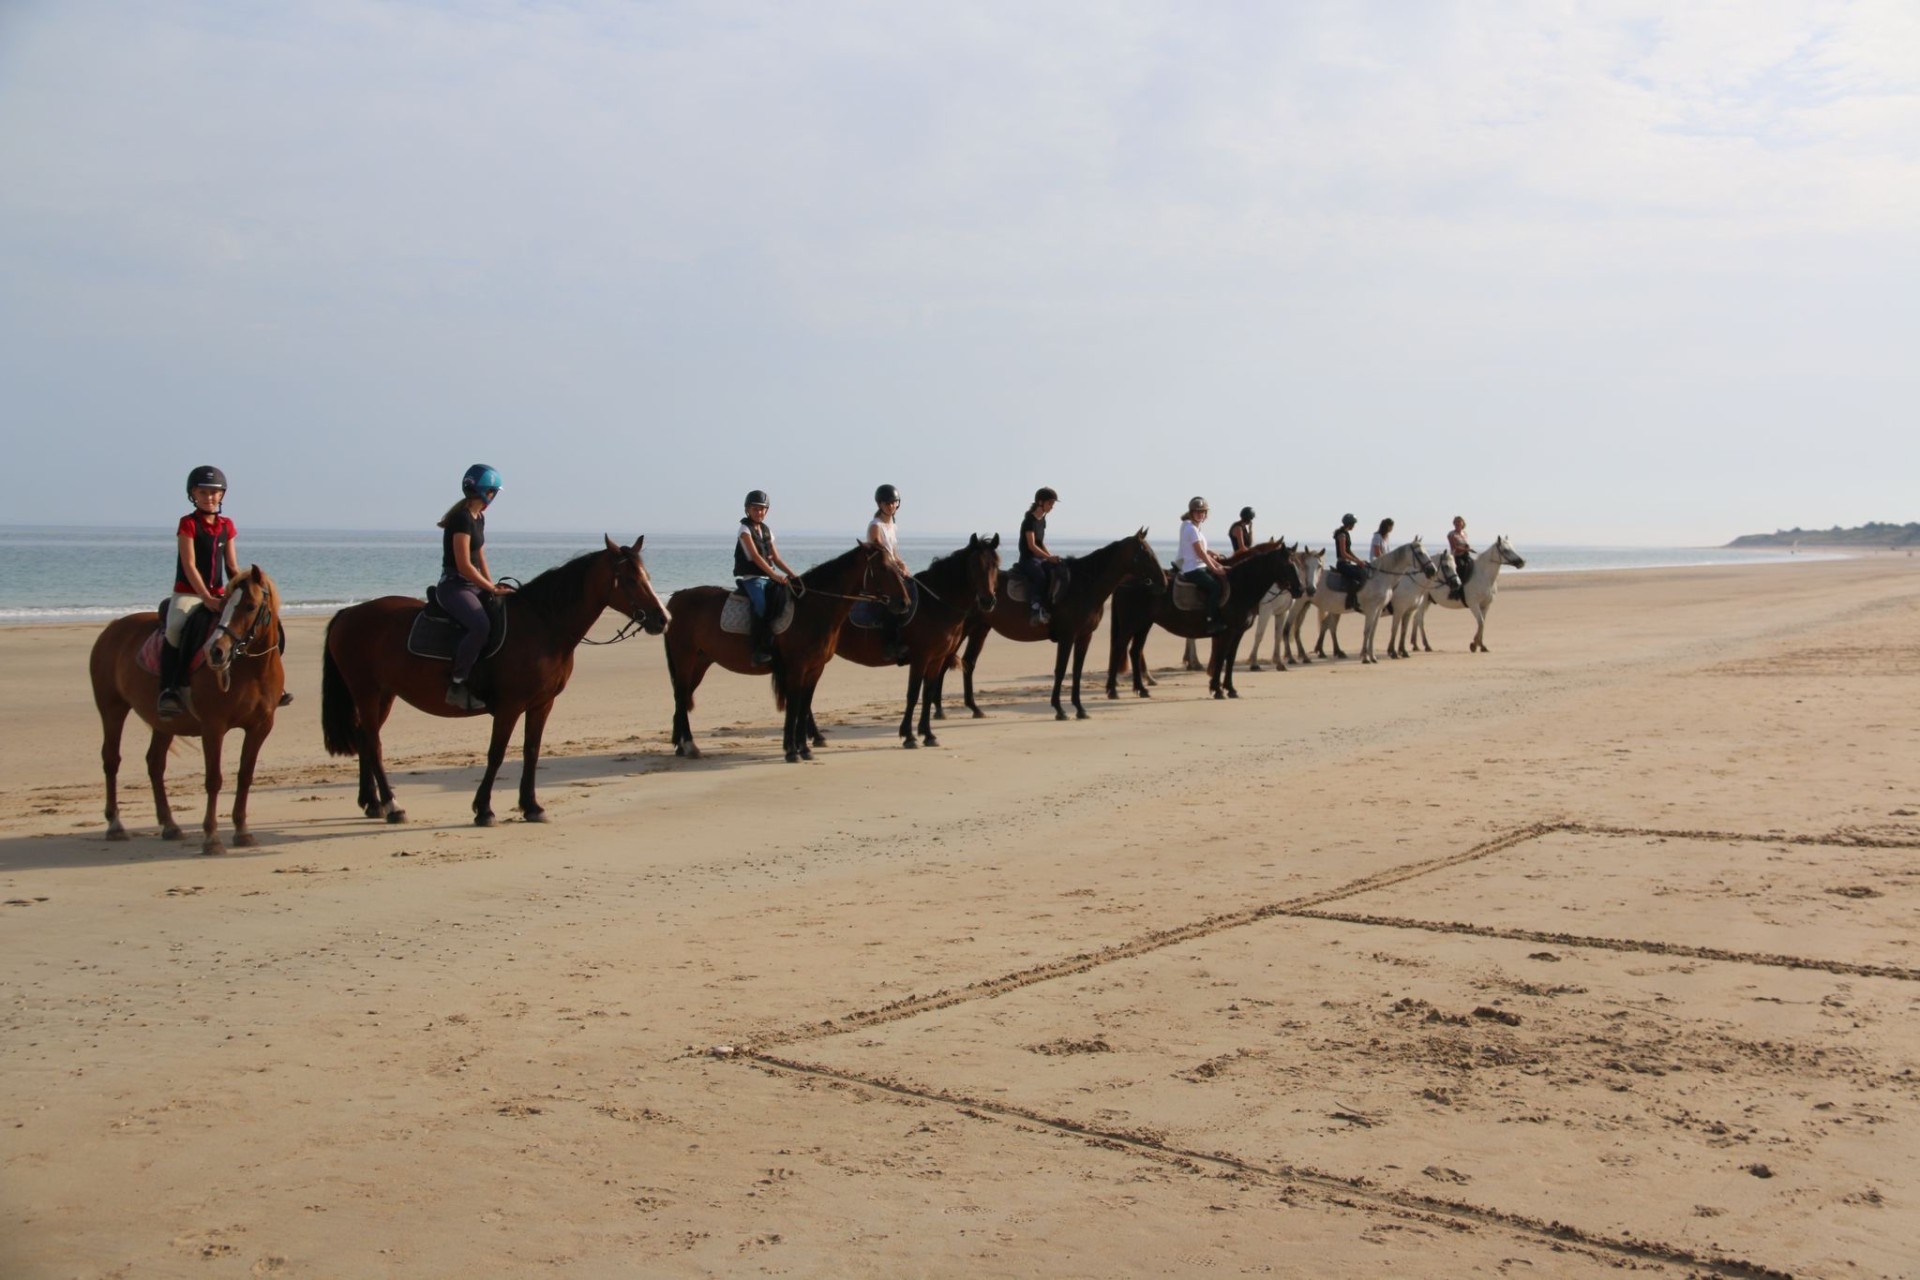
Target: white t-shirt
{"type": "Point", "coordinates": [1379, 546]}
{"type": "Point", "coordinates": [884, 532]}
{"type": "Point", "coordinates": [1192, 543]}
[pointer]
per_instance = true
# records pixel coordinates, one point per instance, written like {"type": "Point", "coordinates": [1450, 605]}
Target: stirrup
{"type": "Point", "coordinates": [459, 695]}
{"type": "Point", "coordinates": [169, 705]}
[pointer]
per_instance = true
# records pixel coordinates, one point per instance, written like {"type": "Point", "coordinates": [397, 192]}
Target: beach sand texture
{"type": "Point", "coordinates": [1597, 951]}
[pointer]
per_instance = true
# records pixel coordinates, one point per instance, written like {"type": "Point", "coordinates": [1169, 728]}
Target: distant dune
{"type": "Point", "coordinates": [1873, 534]}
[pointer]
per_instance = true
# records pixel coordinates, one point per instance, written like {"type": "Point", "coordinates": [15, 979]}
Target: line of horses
{"type": "Point", "coordinates": [943, 616]}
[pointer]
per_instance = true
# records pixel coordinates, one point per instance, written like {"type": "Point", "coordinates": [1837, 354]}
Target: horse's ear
{"type": "Point", "coordinates": [1142, 535]}
{"type": "Point", "coordinates": [996, 542]}
{"type": "Point", "coordinates": [613, 548]}
{"type": "Point", "coordinates": [255, 576]}
{"type": "Point", "coordinates": [973, 540]}
{"type": "Point", "coordinates": [638, 542]}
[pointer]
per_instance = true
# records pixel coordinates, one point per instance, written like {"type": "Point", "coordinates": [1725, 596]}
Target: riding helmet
{"type": "Point", "coordinates": [481, 481]}
{"type": "Point", "coordinates": [206, 478]}
{"type": "Point", "coordinates": [1349, 520]}
{"type": "Point", "coordinates": [1246, 513]}
{"type": "Point", "coordinates": [884, 494]}
{"type": "Point", "coordinates": [757, 498]}
{"type": "Point", "coordinates": [1045, 495]}
{"type": "Point", "coordinates": [1197, 504]}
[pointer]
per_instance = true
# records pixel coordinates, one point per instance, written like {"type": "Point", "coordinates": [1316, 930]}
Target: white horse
{"type": "Point", "coordinates": [1476, 596]}
{"type": "Point", "coordinates": [1287, 608]}
{"type": "Point", "coordinates": [1411, 594]}
{"type": "Point", "coordinates": [1331, 601]}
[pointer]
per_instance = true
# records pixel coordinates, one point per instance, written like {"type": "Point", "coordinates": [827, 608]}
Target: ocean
{"type": "Point", "coordinates": [81, 574]}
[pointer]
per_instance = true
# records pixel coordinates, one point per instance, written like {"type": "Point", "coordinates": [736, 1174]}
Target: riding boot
{"type": "Point", "coordinates": [170, 703]}
{"type": "Point", "coordinates": [896, 648]}
{"type": "Point", "coordinates": [1456, 593]}
{"type": "Point", "coordinates": [762, 640]}
{"type": "Point", "coordinates": [460, 695]}
{"type": "Point", "coordinates": [1353, 602]}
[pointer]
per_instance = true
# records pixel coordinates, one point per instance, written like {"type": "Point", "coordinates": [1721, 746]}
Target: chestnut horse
{"type": "Point", "coordinates": [367, 666]}
{"type": "Point", "coordinates": [1249, 579]}
{"type": "Point", "coordinates": [827, 594]}
{"type": "Point", "coordinates": [952, 590]}
{"type": "Point", "coordinates": [1076, 613]}
{"type": "Point", "coordinates": [239, 686]}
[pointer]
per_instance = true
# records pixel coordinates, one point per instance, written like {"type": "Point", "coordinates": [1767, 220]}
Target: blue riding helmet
{"type": "Point", "coordinates": [481, 481]}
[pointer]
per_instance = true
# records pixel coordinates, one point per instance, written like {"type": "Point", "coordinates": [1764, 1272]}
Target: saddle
{"type": "Point", "coordinates": [1192, 598]}
{"type": "Point", "coordinates": [436, 635]}
{"type": "Point", "coordinates": [1349, 577]}
{"type": "Point", "coordinates": [736, 616]}
{"type": "Point", "coordinates": [1019, 592]}
{"type": "Point", "coordinates": [872, 615]}
{"type": "Point", "coordinates": [193, 639]}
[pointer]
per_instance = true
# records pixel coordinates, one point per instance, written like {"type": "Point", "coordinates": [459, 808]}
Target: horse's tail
{"type": "Point", "coordinates": [339, 723]}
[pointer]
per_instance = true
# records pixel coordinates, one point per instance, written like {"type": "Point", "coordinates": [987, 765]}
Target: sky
{"type": "Point", "coordinates": [1616, 273]}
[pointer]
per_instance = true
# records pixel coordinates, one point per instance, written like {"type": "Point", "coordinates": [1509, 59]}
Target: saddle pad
{"type": "Point", "coordinates": [194, 637]}
{"type": "Point", "coordinates": [1019, 593]}
{"type": "Point", "coordinates": [871, 615]}
{"type": "Point", "coordinates": [736, 616]}
{"type": "Point", "coordinates": [149, 656]}
{"type": "Point", "coordinates": [434, 635]}
{"type": "Point", "coordinates": [1187, 595]}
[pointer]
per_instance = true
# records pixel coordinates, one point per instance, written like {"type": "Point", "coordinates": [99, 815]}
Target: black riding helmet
{"type": "Point", "coordinates": [1349, 520]}
{"type": "Point", "coordinates": [884, 494]}
{"type": "Point", "coordinates": [1045, 495]}
{"type": "Point", "coordinates": [757, 498]}
{"type": "Point", "coordinates": [1246, 513]}
{"type": "Point", "coordinates": [206, 478]}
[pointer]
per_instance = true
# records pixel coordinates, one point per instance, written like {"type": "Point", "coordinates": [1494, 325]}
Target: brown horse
{"type": "Point", "coordinates": [1076, 613]}
{"type": "Point", "coordinates": [367, 666]}
{"type": "Point", "coordinates": [952, 590]}
{"type": "Point", "coordinates": [828, 592]}
{"type": "Point", "coordinates": [238, 687]}
{"type": "Point", "coordinates": [1249, 578]}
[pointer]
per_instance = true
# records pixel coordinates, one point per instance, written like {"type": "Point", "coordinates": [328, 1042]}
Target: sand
{"type": "Point", "coordinates": [1597, 951]}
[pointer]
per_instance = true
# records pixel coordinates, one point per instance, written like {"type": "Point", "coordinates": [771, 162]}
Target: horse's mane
{"type": "Point", "coordinates": [1101, 552]}
{"type": "Point", "coordinates": [818, 575]}
{"type": "Point", "coordinates": [558, 587]}
{"type": "Point", "coordinates": [952, 564]}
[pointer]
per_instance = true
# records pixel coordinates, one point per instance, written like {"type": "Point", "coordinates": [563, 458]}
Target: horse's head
{"type": "Point", "coordinates": [633, 592]}
{"type": "Point", "coordinates": [1448, 574]}
{"type": "Point", "coordinates": [1144, 566]}
{"type": "Point", "coordinates": [1307, 564]}
{"type": "Point", "coordinates": [1422, 559]}
{"type": "Point", "coordinates": [983, 570]}
{"type": "Point", "coordinates": [1508, 556]}
{"type": "Point", "coordinates": [1288, 578]}
{"type": "Point", "coordinates": [879, 579]}
{"type": "Point", "coordinates": [248, 624]}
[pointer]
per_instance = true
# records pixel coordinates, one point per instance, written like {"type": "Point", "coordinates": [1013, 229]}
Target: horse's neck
{"type": "Point", "coordinates": [1104, 568]}
{"type": "Point", "coordinates": [1256, 573]}
{"type": "Point", "coordinates": [1398, 560]}
{"type": "Point", "coordinates": [947, 575]}
{"type": "Point", "coordinates": [576, 617]}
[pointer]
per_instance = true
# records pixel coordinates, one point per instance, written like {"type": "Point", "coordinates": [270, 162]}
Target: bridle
{"type": "Point", "coordinates": [636, 618]}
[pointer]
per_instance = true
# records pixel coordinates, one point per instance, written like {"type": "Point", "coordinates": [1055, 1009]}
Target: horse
{"type": "Point", "coordinates": [367, 665]}
{"type": "Point", "coordinates": [1476, 595]}
{"type": "Point", "coordinates": [1331, 601]}
{"type": "Point", "coordinates": [1286, 610]}
{"type": "Point", "coordinates": [951, 590]}
{"type": "Point", "coordinates": [1410, 595]}
{"type": "Point", "coordinates": [826, 595]}
{"type": "Point", "coordinates": [1135, 611]}
{"type": "Point", "coordinates": [1076, 613]}
{"type": "Point", "coordinates": [238, 686]}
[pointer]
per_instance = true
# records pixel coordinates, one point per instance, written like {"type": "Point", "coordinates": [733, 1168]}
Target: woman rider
{"type": "Point", "coordinates": [1462, 555]}
{"type": "Point", "coordinates": [882, 533]}
{"type": "Point", "coordinates": [1379, 546]}
{"type": "Point", "coordinates": [1240, 532]}
{"type": "Point", "coordinates": [1199, 565]}
{"type": "Point", "coordinates": [1036, 562]}
{"type": "Point", "coordinates": [756, 563]}
{"type": "Point", "coordinates": [465, 577]}
{"type": "Point", "coordinates": [1355, 570]}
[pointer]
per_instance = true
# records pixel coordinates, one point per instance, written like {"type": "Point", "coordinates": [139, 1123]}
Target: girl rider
{"type": "Point", "coordinates": [756, 563]}
{"type": "Point", "coordinates": [465, 577]}
{"type": "Point", "coordinates": [1036, 562]}
{"type": "Point", "coordinates": [203, 565]}
{"type": "Point", "coordinates": [881, 533]}
{"type": "Point", "coordinates": [1199, 565]}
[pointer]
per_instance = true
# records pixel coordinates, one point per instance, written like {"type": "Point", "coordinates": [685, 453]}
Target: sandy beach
{"type": "Point", "coordinates": [1598, 951]}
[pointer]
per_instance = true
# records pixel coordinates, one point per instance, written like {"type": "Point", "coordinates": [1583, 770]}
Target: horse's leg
{"type": "Point", "coordinates": [684, 683]}
{"type": "Point", "coordinates": [1118, 660]}
{"type": "Point", "coordinates": [1334, 630]}
{"type": "Point", "coordinates": [496, 753]}
{"type": "Point", "coordinates": [814, 735]}
{"type": "Point", "coordinates": [1368, 621]}
{"type": "Point", "coordinates": [930, 700]}
{"type": "Point", "coordinates": [1138, 652]}
{"type": "Point", "coordinates": [157, 774]}
{"type": "Point", "coordinates": [373, 716]}
{"type": "Point", "coordinates": [976, 641]}
{"type": "Point", "coordinates": [914, 682]}
{"type": "Point", "coordinates": [252, 738]}
{"type": "Point", "coordinates": [808, 731]}
{"type": "Point", "coordinates": [1081, 643]}
{"type": "Point", "coordinates": [1226, 649]}
{"type": "Point", "coordinates": [1480, 636]}
{"type": "Point", "coordinates": [1190, 659]}
{"type": "Point", "coordinates": [211, 739]}
{"type": "Point", "coordinates": [1261, 618]}
{"type": "Point", "coordinates": [1062, 649]}
{"type": "Point", "coordinates": [530, 810]}
{"type": "Point", "coordinates": [113, 722]}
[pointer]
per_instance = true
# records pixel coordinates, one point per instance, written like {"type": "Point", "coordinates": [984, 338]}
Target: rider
{"type": "Point", "coordinates": [1352, 567]}
{"type": "Point", "coordinates": [1379, 545]}
{"type": "Point", "coordinates": [882, 533]}
{"type": "Point", "coordinates": [760, 573]}
{"type": "Point", "coordinates": [465, 577]}
{"type": "Point", "coordinates": [203, 565]}
{"type": "Point", "coordinates": [1198, 565]}
{"type": "Point", "coordinates": [1240, 533]}
{"type": "Point", "coordinates": [1462, 555]}
{"type": "Point", "coordinates": [1036, 562]}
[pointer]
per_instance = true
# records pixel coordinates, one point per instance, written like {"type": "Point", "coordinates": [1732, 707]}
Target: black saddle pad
{"type": "Point", "coordinates": [436, 635]}
{"type": "Point", "coordinates": [1347, 578]}
{"type": "Point", "coordinates": [1019, 590]}
{"type": "Point", "coordinates": [871, 615]}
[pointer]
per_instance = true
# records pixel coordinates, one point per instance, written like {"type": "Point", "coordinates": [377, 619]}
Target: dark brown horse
{"type": "Point", "coordinates": [1135, 611]}
{"type": "Point", "coordinates": [952, 590]}
{"type": "Point", "coordinates": [239, 686]}
{"type": "Point", "coordinates": [828, 592]}
{"type": "Point", "coordinates": [367, 666]}
{"type": "Point", "coordinates": [1092, 578]}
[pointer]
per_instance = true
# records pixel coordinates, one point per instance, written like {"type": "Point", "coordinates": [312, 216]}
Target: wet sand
{"type": "Point", "coordinates": [1601, 950]}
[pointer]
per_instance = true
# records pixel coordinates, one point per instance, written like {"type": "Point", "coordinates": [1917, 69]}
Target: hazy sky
{"type": "Point", "coordinates": [1633, 273]}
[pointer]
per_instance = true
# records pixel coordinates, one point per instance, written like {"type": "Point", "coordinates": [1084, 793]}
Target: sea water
{"type": "Point", "coordinates": [81, 574]}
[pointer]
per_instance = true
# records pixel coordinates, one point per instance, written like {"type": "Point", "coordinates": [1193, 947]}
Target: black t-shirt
{"type": "Point", "coordinates": [1037, 526]}
{"type": "Point", "coordinates": [1342, 542]}
{"type": "Point", "coordinates": [474, 526]}
{"type": "Point", "coordinates": [743, 565]}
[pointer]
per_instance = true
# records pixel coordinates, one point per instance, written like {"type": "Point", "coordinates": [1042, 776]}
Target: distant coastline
{"type": "Point", "coordinates": [1873, 534]}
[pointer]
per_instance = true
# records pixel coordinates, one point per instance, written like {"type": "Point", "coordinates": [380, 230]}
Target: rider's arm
{"type": "Point", "coordinates": [463, 562]}
{"type": "Point", "coordinates": [233, 557]}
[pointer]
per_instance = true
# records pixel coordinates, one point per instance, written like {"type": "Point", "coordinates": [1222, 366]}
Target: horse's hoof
{"type": "Point", "coordinates": [169, 832]}
{"type": "Point", "coordinates": [483, 819]}
{"type": "Point", "coordinates": [793, 757]}
{"type": "Point", "coordinates": [212, 849]}
{"type": "Point", "coordinates": [806, 754]}
{"type": "Point", "coordinates": [535, 814]}
{"type": "Point", "coordinates": [117, 832]}
{"type": "Point", "coordinates": [1254, 667]}
{"type": "Point", "coordinates": [819, 739]}
{"type": "Point", "coordinates": [1079, 713]}
{"type": "Point", "coordinates": [1112, 696]}
{"type": "Point", "coordinates": [1219, 696]}
{"type": "Point", "coordinates": [1146, 693]}
{"type": "Point", "coordinates": [396, 816]}
{"type": "Point", "coordinates": [1233, 693]}
{"type": "Point", "coordinates": [245, 839]}
{"type": "Point", "coordinates": [371, 809]}
{"type": "Point", "coordinates": [931, 741]}
{"type": "Point", "coordinates": [978, 714]}
{"type": "Point", "coordinates": [1058, 714]}
{"type": "Point", "coordinates": [938, 714]}
{"type": "Point", "coordinates": [909, 743]}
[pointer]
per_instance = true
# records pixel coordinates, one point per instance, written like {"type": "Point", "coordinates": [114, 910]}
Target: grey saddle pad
{"type": "Point", "coordinates": [736, 617]}
{"type": "Point", "coordinates": [1188, 596]}
{"type": "Point", "coordinates": [1017, 585]}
